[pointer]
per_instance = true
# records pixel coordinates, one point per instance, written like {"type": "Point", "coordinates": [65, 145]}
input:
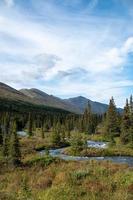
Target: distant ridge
{"type": "Point", "coordinates": [7, 92]}
{"type": "Point", "coordinates": [81, 103]}
{"type": "Point", "coordinates": [42, 98]}
{"type": "Point", "coordinates": [38, 97]}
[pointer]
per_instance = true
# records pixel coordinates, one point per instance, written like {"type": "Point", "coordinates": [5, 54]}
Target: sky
{"type": "Point", "coordinates": [68, 48]}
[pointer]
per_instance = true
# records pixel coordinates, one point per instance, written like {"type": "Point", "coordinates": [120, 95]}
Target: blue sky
{"type": "Point", "coordinates": [68, 48]}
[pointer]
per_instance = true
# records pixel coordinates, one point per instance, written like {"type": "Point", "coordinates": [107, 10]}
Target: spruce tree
{"type": "Point", "coordinates": [111, 124]}
{"type": "Point", "coordinates": [131, 120]}
{"type": "Point", "coordinates": [5, 145]}
{"type": "Point", "coordinates": [131, 104]}
{"type": "Point", "coordinates": [131, 132]}
{"type": "Point", "coordinates": [42, 130]}
{"type": "Point", "coordinates": [1, 136]}
{"type": "Point", "coordinates": [68, 127]}
{"type": "Point", "coordinates": [81, 124]}
{"type": "Point", "coordinates": [30, 125]}
{"type": "Point", "coordinates": [63, 134]}
{"type": "Point", "coordinates": [87, 119]}
{"type": "Point", "coordinates": [5, 133]}
{"type": "Point", "coordinates": [14, 151]}
{"type": "Point", "coordinates": [126, 123]}
{"type": "Point", "coordinates": [56, 139]}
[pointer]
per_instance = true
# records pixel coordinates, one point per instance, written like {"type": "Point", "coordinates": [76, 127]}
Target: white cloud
{"type": "Point", "coordinates": [82, 49]}
{"type": "Point", "coordinates": [128, 46]}
{"type": "Point", "coordinates": [40, 51]}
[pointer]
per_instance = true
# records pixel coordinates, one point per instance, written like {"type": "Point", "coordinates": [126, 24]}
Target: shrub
{"type": "Point", "coordinates": [78, 175]}
{"type": "Point", "coordinates": [43, 161]}
{"type": "Point", "coordinates": [77, 143]}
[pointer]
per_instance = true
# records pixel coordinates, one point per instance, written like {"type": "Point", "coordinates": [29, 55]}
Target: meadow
{"type": "Point", "coordinates": [42, 177]}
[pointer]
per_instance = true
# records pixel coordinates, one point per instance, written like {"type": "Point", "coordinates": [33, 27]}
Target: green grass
{"type": "Point", "coordinates": [40, 160]}
{"type": "Point", "coordinates": [47, 178]}
{"type": "Point", "coordinates": [116, 150]}
{"type": "Point", "coordinates": [98, 137]}
{"type": "Point", "coordinates": [67, 180]}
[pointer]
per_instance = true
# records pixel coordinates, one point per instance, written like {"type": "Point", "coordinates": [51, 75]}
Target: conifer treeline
{"type": "Point", "coordinates": [127, 122]}
{"type": "Point", "coordinates": [9, 139]}
{"type": "Point", "coordinates": [11, 122]}
{"type": "Point", "coordinates": [117, 124]}
{"type": "Point", "coordinates": [59, 124]}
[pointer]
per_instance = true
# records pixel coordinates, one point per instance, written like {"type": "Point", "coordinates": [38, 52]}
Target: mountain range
{"type": "Point", "coordinates": [38, 97]}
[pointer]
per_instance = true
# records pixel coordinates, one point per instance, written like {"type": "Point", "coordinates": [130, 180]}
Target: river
{"type": "Point", "coordinates": [116, 159]}
{"type": "Point", "coordinates": [59, 153]}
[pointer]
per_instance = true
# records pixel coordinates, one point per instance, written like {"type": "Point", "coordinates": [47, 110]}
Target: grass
{"type": "Point", "coordinates": [46, 178]}
{"type": "Point", "coordinates": [41, 161]}
{"type": "Point", "coordinates": [98, 137]}
{"type": "Point", "coordinates": [67, 180]}
{"type": "Point", "coordinates": [91, 152]}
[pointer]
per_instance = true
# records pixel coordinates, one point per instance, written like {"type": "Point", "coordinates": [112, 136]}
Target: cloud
{"type": "Point", "coordinates": [115, 58]}
{"type": "Point", "coordinates": [47, 60]}
{"type": "Point", "coordinates": [78, 73]}
{"type": "Point", "coordinates": [128, 46]}
{"type": "Point", "coordinates": [26, 69]}
{"type": "Point", "coordinates": [65, 53]}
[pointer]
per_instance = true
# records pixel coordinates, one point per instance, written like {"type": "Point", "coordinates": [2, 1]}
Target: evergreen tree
{"type": "Point", "coordinates": [111, 124]}
{"type": "Point", "coordinates": [131, 120]}
{"type": "Point", "coordinates": [68, 128]}
{"type": "Point", "coordinates": [5, 133]}
{"type": "Point", "coordinates": [5, 145]}
{"type": "Point", "coordinates": [56, 139]}
{"type": "Point", "coordinates": [131, 104]}
{"type": "Point", "coordinates": [1, 136]}
{"type": "Point", "coordinates": [30, 125]}
{"type": "Point", "coordinates": [126, 123]}
{"type": "Point", "coordinates": [81, 124]}
{"type": "Point", "coordinates": [131, 133]}
{"type": "Point", "coordinates": [42, 129]}
{"type": "Point", "coordinates": [87, 120]}
{"type": "Point", "coordinates": [62, 133]}
{"type": "Point", "coordinates": [14, 151]}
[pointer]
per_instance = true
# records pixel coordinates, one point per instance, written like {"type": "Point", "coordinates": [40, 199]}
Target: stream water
{"type": "Point", "coordinates": [59, 153]}
{"type": "Point", "coordinates": [22, 133]}
{"type": "Point", "coordinates": [117, 159]}
{"type": "Point", "coordinates": [94, 144]}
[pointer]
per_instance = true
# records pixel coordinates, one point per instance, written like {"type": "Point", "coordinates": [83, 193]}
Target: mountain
{"type": "Point", "coordinates": [76, 104]}
{"type": "Point", "coordinates": [34, 96]}
{"type": "Point", "coordinates": [42, 98]}
{"type": "Point", "coordinates": [37, 97]}
{"type": "Point", "coordinates": [81, 103]}
{"type": "Point", "coordinates": [9, 93]}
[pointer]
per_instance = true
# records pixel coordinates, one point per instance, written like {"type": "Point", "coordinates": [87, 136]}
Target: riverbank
{"type": "Point", "coordinates": [91, 152]}
{"type": "Point", "coordinates": [101, 146]}
{"type": "Point", "coordinates": [32, 146]}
